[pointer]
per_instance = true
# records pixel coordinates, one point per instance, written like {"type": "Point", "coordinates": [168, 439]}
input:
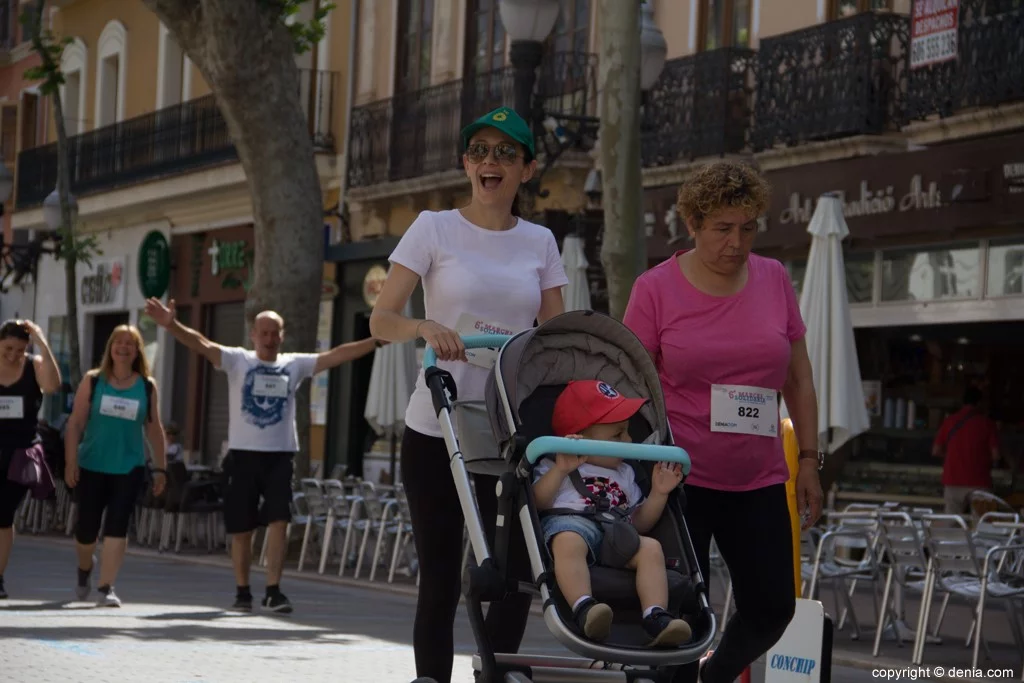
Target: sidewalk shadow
{"type": "Point", "coordinates": [47, 606]}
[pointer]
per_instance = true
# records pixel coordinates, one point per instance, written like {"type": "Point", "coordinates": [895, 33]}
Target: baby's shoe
{"type": "Point", "coordinates": [666, 630]}
{"type": "Point", "coordinates": [594, 619]}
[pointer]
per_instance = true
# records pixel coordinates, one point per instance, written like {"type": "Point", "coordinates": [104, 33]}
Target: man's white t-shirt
{"type": "Point", "coordinates": [619, 485]}
{"type": "Point", "coordinates": [473, 273]}
{"type": "Point", "coordinates": [261, 398]}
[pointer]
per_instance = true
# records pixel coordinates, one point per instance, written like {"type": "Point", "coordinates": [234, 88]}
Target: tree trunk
{"type": "Point", "coordinates": [622, 251]}
{"type": "Point", "coordinates": [247, 56]}
{"type": "Point", "coordinates": [68, 247]}
{"type": "Point", "coordinates": [70, 252]}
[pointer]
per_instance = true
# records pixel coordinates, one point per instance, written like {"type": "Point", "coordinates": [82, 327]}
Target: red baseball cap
{"type": "Point", "coordinates": [588, 402]}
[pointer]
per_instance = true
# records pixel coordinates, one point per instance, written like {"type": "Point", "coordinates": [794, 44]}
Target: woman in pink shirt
{"type": "Point", "coordinates": [724, 329]}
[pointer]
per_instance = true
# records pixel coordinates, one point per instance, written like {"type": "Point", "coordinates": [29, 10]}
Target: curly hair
{"type": "Point", "coordinates": [722, 184]}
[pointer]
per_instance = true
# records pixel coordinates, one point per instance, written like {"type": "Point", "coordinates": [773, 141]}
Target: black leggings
{"type": "Point", "coordinates": [753, 533]}
{"type": "Point", "coordinates": [437, 524]}
{"type": "Point", "coordinates": [116, 493]}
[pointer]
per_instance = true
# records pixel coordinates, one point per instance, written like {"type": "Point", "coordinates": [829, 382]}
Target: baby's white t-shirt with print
{"type": "Point", "coordinates": [619, 485]}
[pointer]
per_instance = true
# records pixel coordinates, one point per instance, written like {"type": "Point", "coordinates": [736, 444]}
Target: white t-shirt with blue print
{"type": "Point", "coordinates": [262, 398]}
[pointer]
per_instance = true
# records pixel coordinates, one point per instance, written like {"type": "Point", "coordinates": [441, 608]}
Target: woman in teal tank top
{"type": "Point", "coordinates": [115, 413]}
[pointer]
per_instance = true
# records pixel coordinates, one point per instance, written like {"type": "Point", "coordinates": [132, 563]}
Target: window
{"type": "Point", "coordinates": [73, 62]}
{"type": "Point", "coordinates": [148, 329]}
{"type": "Point", "coordinates": [1005, 268]}
{"type": "Point", "coordinates": [572, 28]}
{"type": "Point", "coordinates": [725, 23]}
{"type": "Point", "coordinates": [931, 274]}
{"type": "Point", "coordinates": [415, 36]}
{"type": "Point", "coordinates": [9, 134]}
{"type": "Point", "coordinates": [859, 268]}
{"type": "Point", "coordinates": [110, 74]}
{"type": "Point", "coordinates": [840, 9]}
{"type": "Point", "coordinates": [485, 37]}
{"type": "Point", "coordinates": [57, 338]}
{"type": "Point", "coordinates": [171, 65]}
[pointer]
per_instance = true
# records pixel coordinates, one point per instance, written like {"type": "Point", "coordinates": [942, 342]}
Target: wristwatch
{"type": "Point", "coordinates": [809, 454]}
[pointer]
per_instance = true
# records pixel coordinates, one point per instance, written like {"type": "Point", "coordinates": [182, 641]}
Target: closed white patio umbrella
{"type": "Point", "coordinates": [392, 381]}
{"type": "Point", "coordinates": [574, 261]}
{"type": "Point", "coordinates": [842, 413]}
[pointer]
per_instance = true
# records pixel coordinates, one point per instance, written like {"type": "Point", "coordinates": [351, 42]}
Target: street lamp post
{"type": "Point", "coordinates": [527, 23]}
{"type": "Point", "coordinates": [653, 48]}
{"type": "Point", "coordinates": [52, 213]}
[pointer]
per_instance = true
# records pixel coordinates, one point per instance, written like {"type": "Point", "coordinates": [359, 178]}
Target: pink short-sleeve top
{"type": "Point", "coordinates": [699, 340]}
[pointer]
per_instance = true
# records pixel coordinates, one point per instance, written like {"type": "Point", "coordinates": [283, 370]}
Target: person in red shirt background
{"type": "Point", "coordinates": [969, 441]}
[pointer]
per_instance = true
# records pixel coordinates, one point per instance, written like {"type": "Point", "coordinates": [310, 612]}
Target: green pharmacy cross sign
{"type": "Point", "coordinates": [154, 265]}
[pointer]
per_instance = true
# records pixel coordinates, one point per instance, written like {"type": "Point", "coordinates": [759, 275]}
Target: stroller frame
{"type": "Point", "coordinates": [488, 580]}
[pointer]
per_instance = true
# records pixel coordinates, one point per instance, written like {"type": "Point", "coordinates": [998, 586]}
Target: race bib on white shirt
{"type": "Point", "coordinates": [470, 325]}
{"type": "Point", "coordinates": [737, 409]}
{"type": "Point", "coordinates": [270, 386]}
{"type": "Point", "coordinates": [123, 408]}
{"type": "Point", "coordinates": [12, 407]}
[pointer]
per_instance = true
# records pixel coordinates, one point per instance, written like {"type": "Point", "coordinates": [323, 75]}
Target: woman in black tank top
{"type": "Point", "coordinates": [23, 381]}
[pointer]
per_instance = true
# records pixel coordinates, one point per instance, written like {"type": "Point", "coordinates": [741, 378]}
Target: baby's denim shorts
{"type": "Point", "coordinates": [590, 530]}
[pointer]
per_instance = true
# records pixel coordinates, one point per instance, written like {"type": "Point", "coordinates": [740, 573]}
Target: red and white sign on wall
{"type": "Point", "coordinates": [933, 32]}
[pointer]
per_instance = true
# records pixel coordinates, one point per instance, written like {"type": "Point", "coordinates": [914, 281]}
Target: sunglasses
{"type": "Point", "coordinates": [505, 153]}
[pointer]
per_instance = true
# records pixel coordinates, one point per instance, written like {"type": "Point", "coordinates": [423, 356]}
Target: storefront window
{"type": "Point", "coordinates": [57, 338]}
{"type": "Point", "coordinates": [860, 276]}
{"type": "Point", "coordinates": [148, 329]}
{"type": "Point", "coordinates": [931, 274]}
{"type": "Point", "coordinates": [1005, 268]}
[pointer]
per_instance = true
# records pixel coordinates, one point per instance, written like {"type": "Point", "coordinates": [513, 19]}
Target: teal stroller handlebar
{"type": "Point", "coordinates": [478, 341]}
{"type": "Point", "coordinates": [549, 445]}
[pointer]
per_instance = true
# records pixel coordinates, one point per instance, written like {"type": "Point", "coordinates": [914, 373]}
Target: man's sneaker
{"type": "Point", "coordinates": [3, 592]}
{"type": "Point", "coordinates": [108, 598]}
{"type": "Point", "coordinates": [666, 630]}
{"type": "Point", "coordinates": [594, 619]}
{"type": "Point", "coordinates": [83, 587]}
{"type": "Point", "coordinates": [243, 602]}
{"type": "Point", "coordinates": [277, 603]}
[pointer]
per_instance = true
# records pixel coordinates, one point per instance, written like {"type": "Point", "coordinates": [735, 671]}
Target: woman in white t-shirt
{"type": "Point", "coordinates": [482, 268]}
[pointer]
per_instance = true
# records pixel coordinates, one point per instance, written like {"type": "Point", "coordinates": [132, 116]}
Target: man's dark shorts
{"type": "Point", "coordinates": [252, 475]}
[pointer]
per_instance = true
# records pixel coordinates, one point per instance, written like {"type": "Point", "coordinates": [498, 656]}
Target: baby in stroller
{"type": "Point", "coordinates": [593, 512]}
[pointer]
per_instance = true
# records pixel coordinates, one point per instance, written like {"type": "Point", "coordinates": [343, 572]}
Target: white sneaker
{"type": "Point", "coordinates": [108, 598]}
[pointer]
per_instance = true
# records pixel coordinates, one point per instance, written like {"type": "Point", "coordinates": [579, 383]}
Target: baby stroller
{"type": "Point", "coordinates": [505, 435]}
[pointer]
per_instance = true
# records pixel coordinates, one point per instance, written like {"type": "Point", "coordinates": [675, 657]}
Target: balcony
{"type": "Point", "coordinates": [417, 133]}
{"type": "Point", "coordinates": [170, 141]}
{"type": "Point", "coordinates": [701, 106]}
{"type": "Point", "coordinates": [988, 71]}
{"type": "Point", "coordinates": [834, 80]}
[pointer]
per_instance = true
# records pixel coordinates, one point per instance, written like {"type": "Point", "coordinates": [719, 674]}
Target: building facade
{"type": "Point", "coordinates": [149, 150]}
{"type": "Point", "coordinates": [22, 126]}
{"type": "Point", "coordinates": [826, 96]}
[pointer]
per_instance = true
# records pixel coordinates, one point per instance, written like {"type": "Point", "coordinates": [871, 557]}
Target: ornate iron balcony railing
{"type": "Point", "coordinates": [417, 133]}
{"type": "Point", "coordinates": [842, 78]}
{"type": "Point", "coordinates": [988, 70]}
{"type": "Point", "coordinates": [169, 141]}
{"type": "Point", "coordinates": [700, 106]}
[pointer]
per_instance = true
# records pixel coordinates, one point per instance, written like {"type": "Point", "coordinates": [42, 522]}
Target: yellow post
{"type": "Point", "coordinates": [792, 449]}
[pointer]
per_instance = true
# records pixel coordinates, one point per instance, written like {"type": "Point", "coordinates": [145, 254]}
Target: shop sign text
{"type": "Point", "coordinates": [103, 288]}
{"type": "Point", "coordinates": [228, 259]}
{"type": "Point", "coordinates": [868, 202]}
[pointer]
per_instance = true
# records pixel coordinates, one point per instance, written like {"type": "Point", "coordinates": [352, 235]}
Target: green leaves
{"type": "Point", "coordinates": [49, 47]}
{"type": "Point", "coordinates": [305, 35]}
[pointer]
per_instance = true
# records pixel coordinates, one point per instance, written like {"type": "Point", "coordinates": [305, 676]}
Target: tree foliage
{"type": "Point", "coordinates": [304, 34]}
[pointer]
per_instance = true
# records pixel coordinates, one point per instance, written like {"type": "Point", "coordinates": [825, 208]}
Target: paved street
{"type": "Point", "coordinates": [174, 628]}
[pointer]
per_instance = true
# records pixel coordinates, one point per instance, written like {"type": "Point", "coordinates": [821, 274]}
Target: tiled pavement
{"type": "Point", "coordinates": [173, 627]}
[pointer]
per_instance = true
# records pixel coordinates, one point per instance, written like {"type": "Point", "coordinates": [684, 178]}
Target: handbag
{"type": "Point", "coordinates": [29, 468]}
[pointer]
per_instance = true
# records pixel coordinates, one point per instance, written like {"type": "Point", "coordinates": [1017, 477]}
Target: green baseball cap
{"type": "Point", "coordinates": [508, 122]}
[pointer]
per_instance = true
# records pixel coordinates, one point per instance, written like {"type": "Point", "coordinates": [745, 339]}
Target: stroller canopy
{"type": "Point", "coordinates": [577, 345]}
